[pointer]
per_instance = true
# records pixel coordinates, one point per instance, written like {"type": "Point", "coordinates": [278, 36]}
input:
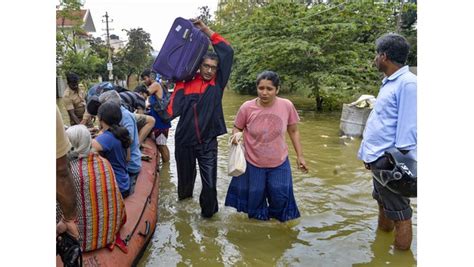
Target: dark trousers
{"type": "Point", "coordinates": [206, 155]}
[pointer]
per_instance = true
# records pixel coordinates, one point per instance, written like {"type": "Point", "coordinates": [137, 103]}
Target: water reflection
{"type": "Point", "coordinates": [385, 254]}
{"type": "Point", "coordinates": [260, 243]}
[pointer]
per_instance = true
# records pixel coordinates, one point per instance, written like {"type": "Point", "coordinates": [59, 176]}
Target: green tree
{"type": "Point", "coordinates": [137, 53]}
{"type": "Point", "coordinates": [408, 29]}
{"type": "Point", "coordinates": [84, 63]}
{"type": "Point", "coordinates": [205, 14]}
{"type": "Point", "coordinates": [75, 51]}
{"type": "Point", "coordinates": [99, 48]}
{"type": "Point", "coordinates": [234, 10]}
{"type": "Point", "coordinates": [324, 51]}
{"type": "Point", "coordinates": [67, 35]}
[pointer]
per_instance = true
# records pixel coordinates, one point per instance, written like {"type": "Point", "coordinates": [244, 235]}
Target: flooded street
{"type": "Point", "coordinates": [338, 219]}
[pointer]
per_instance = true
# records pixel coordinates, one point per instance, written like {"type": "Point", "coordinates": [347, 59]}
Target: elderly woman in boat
{"type": "Point", "coordinates": [100, 209]}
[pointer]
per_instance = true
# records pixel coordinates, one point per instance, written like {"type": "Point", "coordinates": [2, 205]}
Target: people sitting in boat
{"type": "Point", "coordinates": [95, 90]}
{"type": "Point", "coordinates": [135, 103]}
{"type": "Point", "coordinates": [100, 210]}
{"type": "Point", "coordinates": [113, 143]}
{"type": "Point", "coordinates": [99, 88]}
{"type": "Point", "coordinates": [143, 91]}
{"type": "Point", "coordinates": [130, 123]}
{"type": "Point", "coordinates": [120, 89]}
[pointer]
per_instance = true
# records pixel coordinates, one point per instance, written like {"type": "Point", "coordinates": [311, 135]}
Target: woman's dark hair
{"type": "Point", "coordinates": [93, 105]}
{"type": "Point", "coordinates": [395, 46]}
{"type": "Point", "coordinates": [141, 89]}
{"type": "Point", "coordinates": [110, 113]}
{"type": "Point", "coordinates": [271, 76]}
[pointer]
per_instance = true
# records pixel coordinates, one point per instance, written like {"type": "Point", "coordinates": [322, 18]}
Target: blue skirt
{"type": "Point", "coordinates": [264, 193]}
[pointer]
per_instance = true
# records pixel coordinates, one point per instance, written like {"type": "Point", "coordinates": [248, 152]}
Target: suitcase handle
{"type": "Point", "coordinates": [197, 60]}
{"type": "Point", "coordinates": [186, 34]}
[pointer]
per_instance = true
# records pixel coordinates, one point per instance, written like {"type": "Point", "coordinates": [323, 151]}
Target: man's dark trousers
{"type": "Point", "coordinates": [206, 154]}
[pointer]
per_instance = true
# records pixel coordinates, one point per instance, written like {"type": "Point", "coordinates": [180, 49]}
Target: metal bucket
{"type": "Point", "coordinates": [60, 86]}
{"type": "Point", "coordinates": [353, 120]}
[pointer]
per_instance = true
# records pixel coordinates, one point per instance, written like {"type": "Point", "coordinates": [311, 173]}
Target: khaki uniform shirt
{"type": "Point", "coordinates": [62, 142]}
{"type": "Point", "coordinates": [75, 101]}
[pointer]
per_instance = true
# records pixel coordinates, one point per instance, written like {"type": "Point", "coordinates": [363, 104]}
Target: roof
{"type": "Point", "coordinates": [84, 14]}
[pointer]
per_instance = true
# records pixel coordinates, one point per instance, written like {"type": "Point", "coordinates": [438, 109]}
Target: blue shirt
{"type": "Point", "coordinates": [113, 151]}
{"type": "Point", "coordinates": [392, 122]}
{"type": "Point", "coordinates": [130, 122]}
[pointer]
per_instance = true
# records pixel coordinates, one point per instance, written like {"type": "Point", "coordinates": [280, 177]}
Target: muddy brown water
{"type": "Point", "coordinates": [338, 219]}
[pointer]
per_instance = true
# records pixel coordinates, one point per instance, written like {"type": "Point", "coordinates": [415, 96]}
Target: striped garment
{"type": "Point", "coordinates": [100, 207]}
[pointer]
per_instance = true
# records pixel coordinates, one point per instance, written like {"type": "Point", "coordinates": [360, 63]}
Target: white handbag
{"type": "Point", "coordinates": [237, 163]}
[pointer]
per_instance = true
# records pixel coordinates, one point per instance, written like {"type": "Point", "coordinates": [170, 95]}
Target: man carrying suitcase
{"type": "Point", "coordinates": [198, 102]}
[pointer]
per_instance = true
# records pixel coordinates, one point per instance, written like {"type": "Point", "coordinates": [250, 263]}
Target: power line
{"type": "Point", "coordinates": [320, 12]}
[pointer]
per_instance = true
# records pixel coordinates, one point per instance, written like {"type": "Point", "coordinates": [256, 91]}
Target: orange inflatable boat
{"type": "Point", "coordinates": [142, 214]}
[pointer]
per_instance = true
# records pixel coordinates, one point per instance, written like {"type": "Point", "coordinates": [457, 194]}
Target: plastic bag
{"type": "Point", "coordinates": [237, 163]}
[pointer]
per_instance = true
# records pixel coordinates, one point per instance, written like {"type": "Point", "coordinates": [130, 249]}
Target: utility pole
{"type": "Point", "coordinates": [109, 64]}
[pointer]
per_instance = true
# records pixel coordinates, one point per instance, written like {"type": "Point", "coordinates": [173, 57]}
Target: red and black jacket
{"type": "Point", "coordinates": [199, 103]}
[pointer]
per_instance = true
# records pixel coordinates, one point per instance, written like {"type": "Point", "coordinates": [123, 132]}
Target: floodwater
{"type": "Point", "coordinates": [338, 219]}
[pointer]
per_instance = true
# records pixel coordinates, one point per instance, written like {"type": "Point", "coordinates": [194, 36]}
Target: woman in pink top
{"type": "Point", "coordinates": [265, 190]}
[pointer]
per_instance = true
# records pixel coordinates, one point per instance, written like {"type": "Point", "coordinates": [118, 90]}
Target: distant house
{"type": "Point", "coordinates": [84, 14]}
{"type": "Point", "coordinates": [67, 25]}
{"type": "Point", "coordinates": [87, 25]}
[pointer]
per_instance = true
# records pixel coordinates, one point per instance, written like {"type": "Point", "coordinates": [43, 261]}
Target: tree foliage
{"type": "Point", "coordinates": [137, 53]}
{"type": "Point", "coordinates": [67, 40]}
{"type": "Point", "coordinates": [324, 51]}
{"type": "Point", "coordinates": [408, 29]}
{"type": "Point", "coordinates": [67, 36]}
{"type": "Point", "coordinates": [88, 57]}
{"type": "Point", "coordinates": [205, 14]}
{"type": "Point", "coordinates": [235, 10]}
{"type": "Point", "coordinates": [84, 63]}
{"type": "Point", "coordinates": [72, 44]}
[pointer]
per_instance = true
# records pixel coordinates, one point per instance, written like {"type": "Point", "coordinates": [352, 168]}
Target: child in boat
{"type": "Point", "coordinates": [114, 143]}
